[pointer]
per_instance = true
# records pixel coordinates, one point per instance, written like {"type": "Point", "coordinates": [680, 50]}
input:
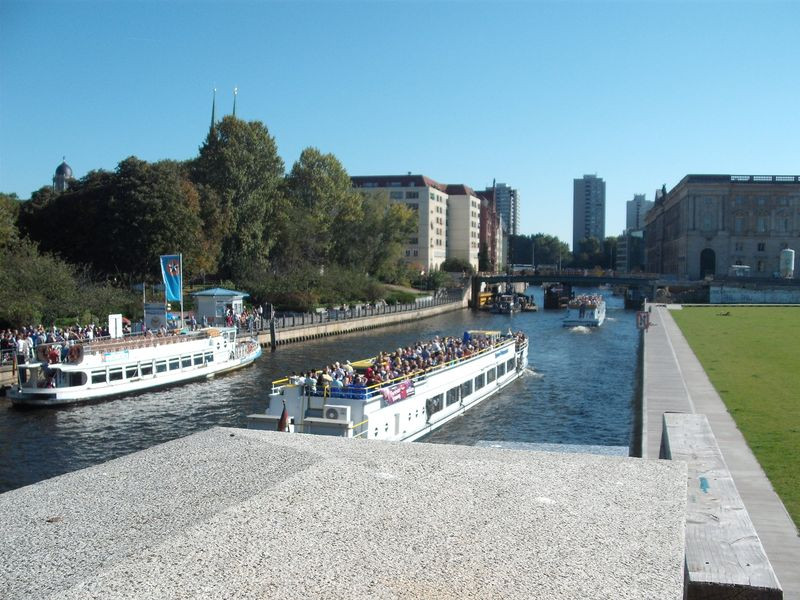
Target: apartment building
{"type": "Point", "coordinates": [448, 225]}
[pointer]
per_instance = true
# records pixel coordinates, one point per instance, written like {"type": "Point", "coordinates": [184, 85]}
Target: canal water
{"type": "Point", "coordinates": [579, 390]}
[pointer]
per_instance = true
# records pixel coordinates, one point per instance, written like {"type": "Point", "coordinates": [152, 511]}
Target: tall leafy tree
{"type": "Point", "coordinates": [9, 209]}
{"type": "Point", "coordinates": [239, 161]}
{"type": "Point", "coordinates": [323, 200]}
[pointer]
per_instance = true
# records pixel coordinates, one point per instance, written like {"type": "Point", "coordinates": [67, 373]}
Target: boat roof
{"type": "Point", "coordinates": [221, 292]}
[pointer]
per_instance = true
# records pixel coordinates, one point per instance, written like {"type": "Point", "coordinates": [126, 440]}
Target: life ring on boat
{"type": "Point", "coordinates": [41, 352]}
{"type": "Point", "coordinates": [75, 353]}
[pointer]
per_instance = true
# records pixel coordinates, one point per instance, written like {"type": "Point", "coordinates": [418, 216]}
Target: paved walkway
{"type": "Point", "coordinates": [675, 381]}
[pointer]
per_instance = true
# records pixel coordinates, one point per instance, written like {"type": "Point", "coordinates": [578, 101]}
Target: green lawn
{"type": "Point", "coordinates": [752, 357]}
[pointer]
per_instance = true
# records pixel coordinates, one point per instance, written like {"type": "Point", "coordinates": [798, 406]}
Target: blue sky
{"type": "Point", "coordinates": [533, 94]}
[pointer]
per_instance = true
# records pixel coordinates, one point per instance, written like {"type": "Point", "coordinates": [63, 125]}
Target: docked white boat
{"type": "Point", "coordinates": [586, 310]}
{"type": "Point", "coordinates": [112, 367]}
{"type": "Point", "coordinates": [506, 304]}
{"type": "Point", "coordinates": [401, 409]}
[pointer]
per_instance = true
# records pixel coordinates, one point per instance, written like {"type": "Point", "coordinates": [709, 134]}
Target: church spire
{"type": "Point", "coordinates": [235, 93]}
{"type": "Point", "coordinates": [213, 109]}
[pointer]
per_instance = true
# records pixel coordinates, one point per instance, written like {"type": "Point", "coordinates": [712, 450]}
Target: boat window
{"type": "Point", "coordinates": [99, 376]}
{"type": "Point", "coordinates": [466, 388]}
{"type": "Point", "coordinates": [76, 379]}
{"type": "Point", "coordinates": [147, 369]}
{"type": "Point", "coordinates": [490, 375]}
{"type": "Point", "coordinates": [479, 382]}
{"type": "Point", "coordinates": [115, 374]}
{"type": "Point", "coordinates": [209, 357]}
{"type": "Point", "coordinates": [501, 369]}
{"type": "Point", "coordinates": [510, 365]}
{"type": "Point", "coordinates": [161, 366]}
{"type": "Point", "coordinates": [434, 405]}
{"type": "Point", "coordinates": [174, 364]}
{"type": "Point", "coordinates": [198, 359]}
{"type": "Point", "coordinates": [131, 371]}
{"type": "Point", "coordinates": [453, 395]}
{"type": "Point", "coordinates": [186, 361]}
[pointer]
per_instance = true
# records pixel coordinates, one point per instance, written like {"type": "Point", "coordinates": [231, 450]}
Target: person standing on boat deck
{"type": "Point", "coordinates": [22, 356]}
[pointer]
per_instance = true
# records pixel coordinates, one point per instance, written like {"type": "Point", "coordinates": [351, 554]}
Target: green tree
{"type": "Point", "coordinates": [377, 243]}
{"type": "Point", "coordinates": [456, 265]}
{"type": "Point", "coordinates": [34, 288]}
{"type": "Point", "coordinates": [590, 253]}
{"type": "Point", "coordinates": [239, 161]}
{"type": "Point", "coordinates": [9, 210]}
{"type": "Point", "coordinates": [325, 204]}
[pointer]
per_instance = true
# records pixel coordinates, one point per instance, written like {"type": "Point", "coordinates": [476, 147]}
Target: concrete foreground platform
{"type": "Point", "coordinates": [675, 381]}
{"type": "Point", "coordinates": [233, 513]}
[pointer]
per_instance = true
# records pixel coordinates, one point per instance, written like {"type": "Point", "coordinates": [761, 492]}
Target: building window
{"type": "Point", "coordinates": [760, 266]}
{"type": "Point", "coordinates": [761, 246]}
{"type": "Point", "coordinates": [412, 195]}
{"type": "Point", "coordinates": [396, 195]}
{"type": "Point", "coordinates": [761, 224]}
{"type": "Point", "coordinates": [739, 247]}
{"type": "Point", "coordinates": [738, 224]}
{"type": "Point", "coordinates": [413, 205]}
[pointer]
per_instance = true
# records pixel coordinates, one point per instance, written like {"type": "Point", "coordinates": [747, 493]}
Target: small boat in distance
{"type": "Point", "coordinates": [587, 310]}
{"type": "Point", "coordinates": [425, 386]}
{"type": "Point", "coordinates": [118, 366]}
{"type": "Point", "coordinates": [528, 304]}
{"type": "Point", "coordinates": [506, 304]}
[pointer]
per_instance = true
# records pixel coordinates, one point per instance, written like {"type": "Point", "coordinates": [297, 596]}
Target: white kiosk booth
{"type": "Point", "coordinates": [213, 305]}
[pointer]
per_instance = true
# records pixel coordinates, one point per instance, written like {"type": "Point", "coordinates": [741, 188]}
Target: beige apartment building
{"type": "Point", "coordinates": [447, 226]}
{"type": "Point", "coordinates": [463, 224]}
{"type": "Point", "coordinates": [708, 224]}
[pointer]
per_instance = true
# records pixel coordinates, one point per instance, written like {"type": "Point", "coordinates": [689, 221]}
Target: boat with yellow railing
{"type": "Point", "coordinates": [402, 408]}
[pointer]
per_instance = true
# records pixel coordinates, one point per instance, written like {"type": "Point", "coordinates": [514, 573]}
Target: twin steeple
{"type": "Point", "coordinates": [214, 106]}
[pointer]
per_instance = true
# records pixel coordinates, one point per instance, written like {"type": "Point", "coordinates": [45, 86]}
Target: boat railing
{"type": "Point", "coordinates": [373, 391]}
{"type": "Point", "coordinates": [359, 429]}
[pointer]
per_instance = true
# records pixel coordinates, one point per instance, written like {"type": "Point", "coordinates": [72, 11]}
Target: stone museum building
{"type": "Point", "coordinates": [709, 224]}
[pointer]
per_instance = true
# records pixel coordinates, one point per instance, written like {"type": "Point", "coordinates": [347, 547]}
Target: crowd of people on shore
{"type": "Point", "coordinates": [387, 367]}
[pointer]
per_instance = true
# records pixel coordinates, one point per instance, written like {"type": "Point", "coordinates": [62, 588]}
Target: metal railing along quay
{"type": "Point", "coordinates": [289, 321]}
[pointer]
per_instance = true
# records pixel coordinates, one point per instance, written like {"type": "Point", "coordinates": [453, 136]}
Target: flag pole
{"type": "Point", "coordinates": [183, 324]}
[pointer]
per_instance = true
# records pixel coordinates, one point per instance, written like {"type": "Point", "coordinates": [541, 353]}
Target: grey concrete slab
{"type": "Point", "coordinates": [232, 513]}
{"type": "Point", "coordinates": [668, 357]}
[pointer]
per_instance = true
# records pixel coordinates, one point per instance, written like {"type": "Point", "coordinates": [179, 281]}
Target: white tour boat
{"type": "Point", "coordinates": [587, 310]}
{"type": "Point", "coordinates": [112, 367]}
{"type": "Point", "coordinates": [402, 409]}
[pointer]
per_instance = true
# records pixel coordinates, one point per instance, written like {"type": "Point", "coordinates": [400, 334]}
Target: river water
{"type": "Point", "coordinates": [579, 390]}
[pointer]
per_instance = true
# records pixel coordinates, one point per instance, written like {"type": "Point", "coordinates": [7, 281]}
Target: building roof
{"type": "Point", "coordinates": [220, 292]}
{"type": "Point", "coordinates": [64, 170]}
{"type": "Point", "coordinates": [459, 189]}
{"type": "Point", "coordinates": [388, 181]}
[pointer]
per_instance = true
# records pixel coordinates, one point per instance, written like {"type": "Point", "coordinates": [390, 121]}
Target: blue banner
{"type": "Point", "coordinates": [171, 272]}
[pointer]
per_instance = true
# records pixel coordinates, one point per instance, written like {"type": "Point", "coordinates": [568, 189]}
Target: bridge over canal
{"type": "Point", "coordinates": [644, 285]}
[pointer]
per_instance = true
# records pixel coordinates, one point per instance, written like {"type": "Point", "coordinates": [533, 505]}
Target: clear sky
{"type": "Point", "coordinates": [532, 94]}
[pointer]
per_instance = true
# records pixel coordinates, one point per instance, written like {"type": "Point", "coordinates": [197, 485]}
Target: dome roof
{"type": "Point", "coordinates": [64, 170]}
